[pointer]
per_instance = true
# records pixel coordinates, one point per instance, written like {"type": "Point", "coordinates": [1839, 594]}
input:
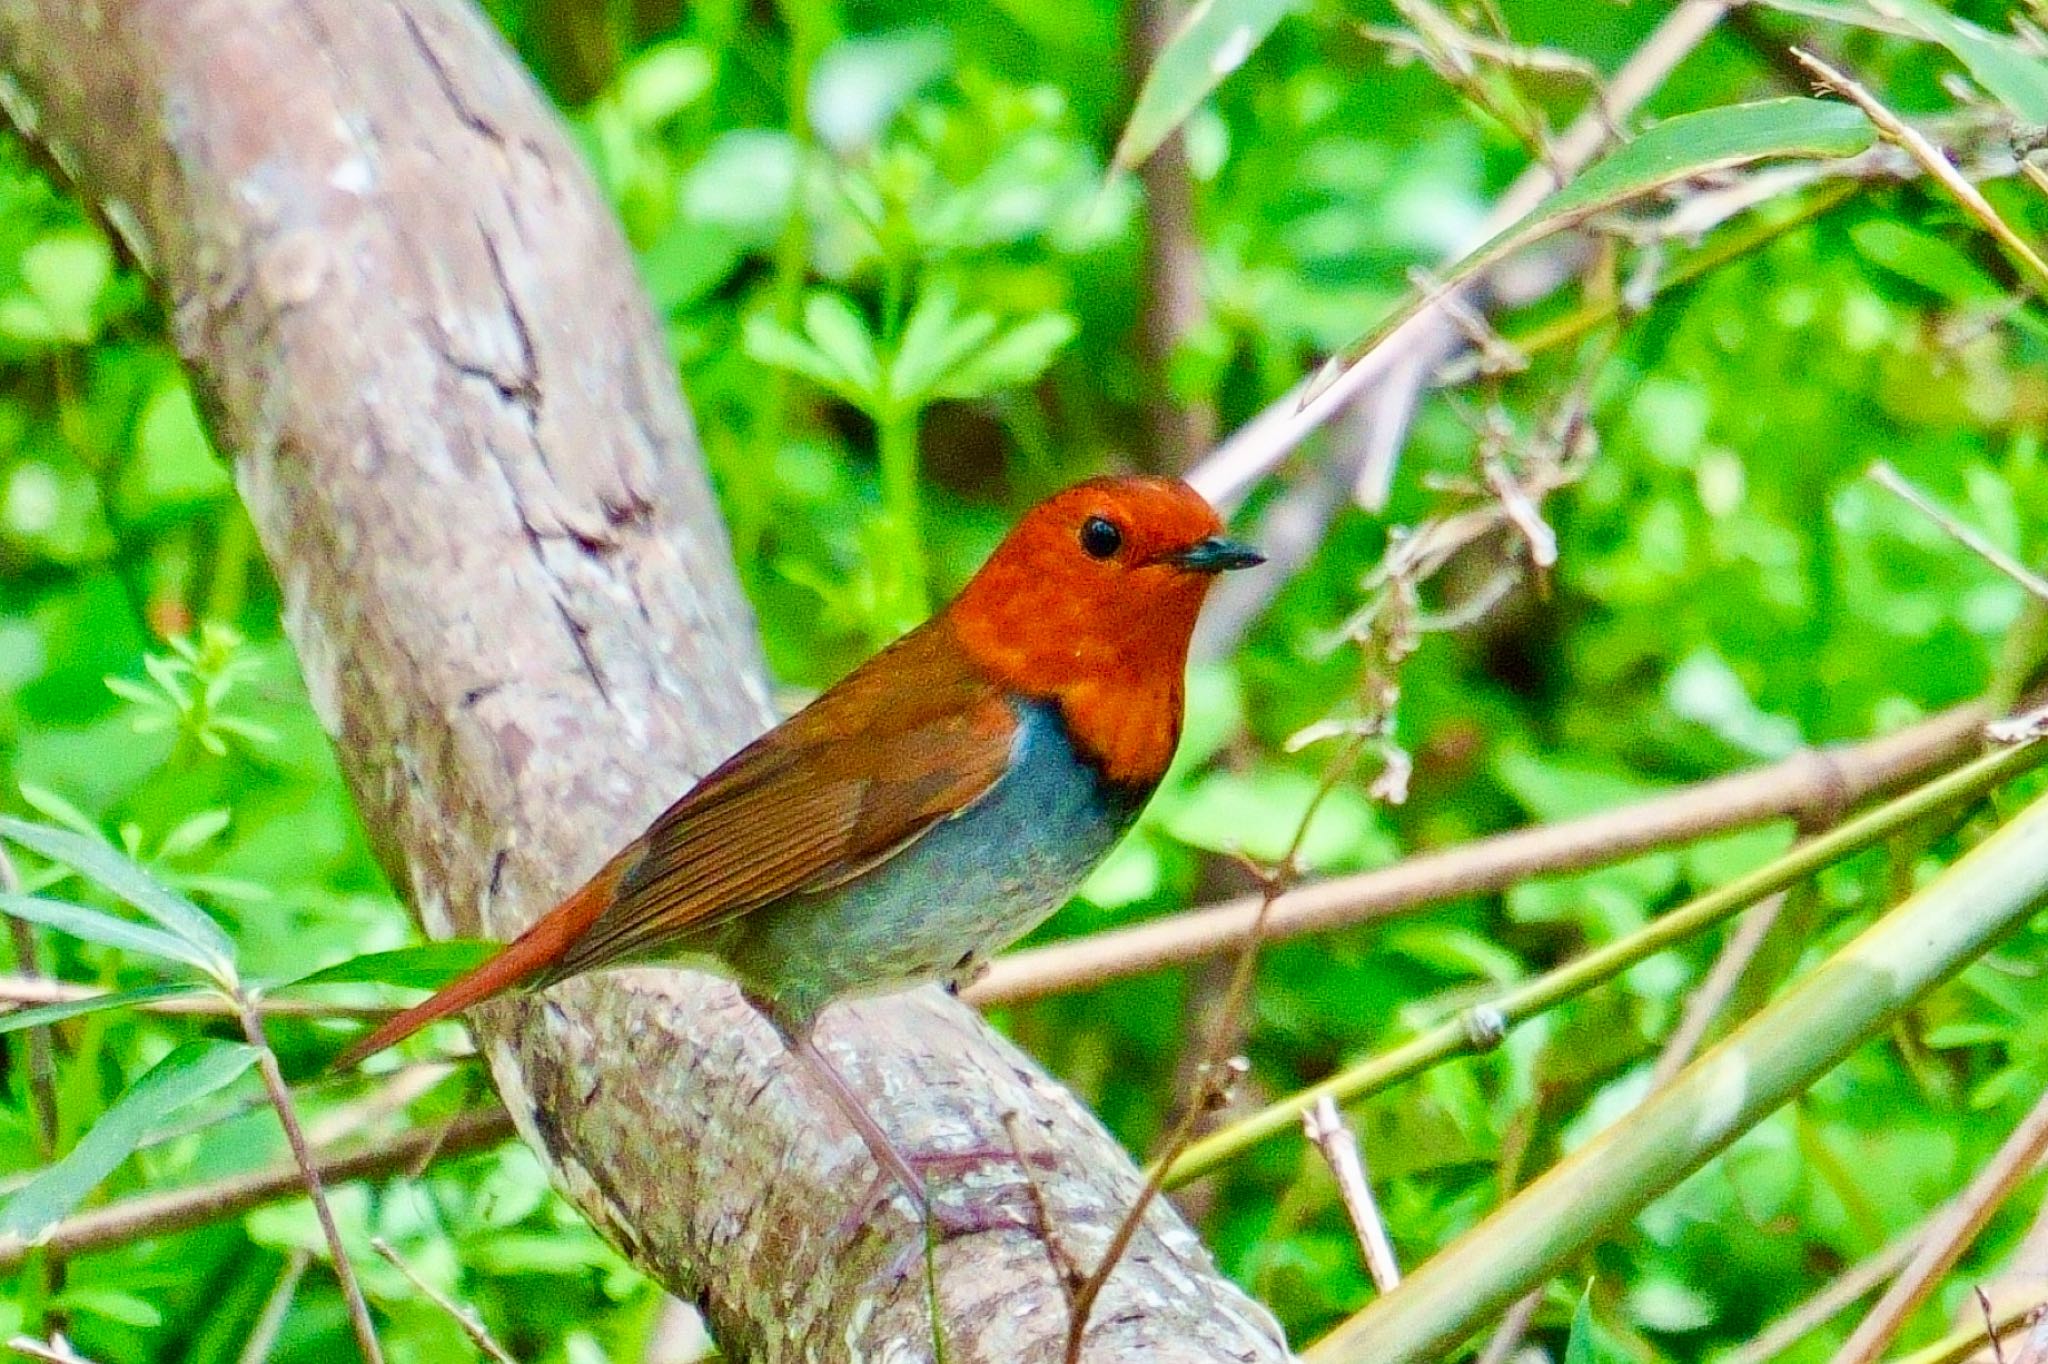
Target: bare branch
{"type": "Point", "coordinates": [1327, 1131]}
{"type": "Point", "coordinates": [176, 1210]}
{"type": "Point", "coordinates": [26, 991]}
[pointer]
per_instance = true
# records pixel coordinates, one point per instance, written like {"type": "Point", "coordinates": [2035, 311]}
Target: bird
{"type": "Point", "coordinates": [930, 808]}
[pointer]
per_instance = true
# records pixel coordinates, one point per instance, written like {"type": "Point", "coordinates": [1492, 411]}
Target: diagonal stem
{"type": "Point", "coordinates": [309, 1172]}
{"type": "Point", "coordinates": [1483, 1027]}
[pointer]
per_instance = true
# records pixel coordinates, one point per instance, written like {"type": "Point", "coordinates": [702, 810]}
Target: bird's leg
{"type": "Point", "coordinates": [884, 1150]}
{"type": "Point", "coordinates": [897, 1168]}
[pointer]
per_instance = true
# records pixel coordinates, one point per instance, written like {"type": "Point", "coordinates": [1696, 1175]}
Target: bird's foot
{"type": "Point", "coordinates": [946, 1220]}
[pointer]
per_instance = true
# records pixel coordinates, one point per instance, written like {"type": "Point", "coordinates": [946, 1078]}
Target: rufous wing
{"type": "Point", "coordinates": [914, 736]}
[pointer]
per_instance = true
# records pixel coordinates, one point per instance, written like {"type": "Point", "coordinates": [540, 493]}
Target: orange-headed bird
{"type": "Point", "coordinates": [932, 807]}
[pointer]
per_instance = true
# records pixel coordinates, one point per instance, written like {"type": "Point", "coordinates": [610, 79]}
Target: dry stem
{"type": "Point", "coordinates": [1948, 1236]}
{"type": "Point", "coordinates": [1931, 159]}
{"type": "Point", "coordinates": [472, 1325]}
{"type": "Point", "coordinates": [1885, 476]}
{"type": "Point", "coordinates": [176, 1210]}
{"type": "Point", "coordinates": [309, 1173]}
{"type": "Point", "coordinates": [1327, 1131]}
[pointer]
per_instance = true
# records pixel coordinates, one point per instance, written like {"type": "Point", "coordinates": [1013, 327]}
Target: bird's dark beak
{"type": "Point", "coordinates": [1215, 555]}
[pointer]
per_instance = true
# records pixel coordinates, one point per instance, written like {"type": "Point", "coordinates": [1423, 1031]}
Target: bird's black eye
{"type": "Point", "coordinates": [1101, 538]}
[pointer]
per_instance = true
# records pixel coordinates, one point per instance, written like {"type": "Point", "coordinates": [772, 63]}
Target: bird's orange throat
{"type": "Point", "coordinates": [1116, 676]}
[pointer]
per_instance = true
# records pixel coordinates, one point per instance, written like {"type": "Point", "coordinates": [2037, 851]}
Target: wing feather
{"type": "Point", "coordinates": [914, 736]}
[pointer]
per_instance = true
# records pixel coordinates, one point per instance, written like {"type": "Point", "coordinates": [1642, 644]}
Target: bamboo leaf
{"type": "Point", "coordinates": [100, 863]}
{"type": "Point", "coordinates": [2013, 76]}
{"type": "Point", "coordinates": [1212, 42]}
{"type": "Point", "coordinates": [109, 930]}
{"type": "Point", "coordinates": [1856, 995]}
{"type": "Point", "coordinates": [42, 1014]}
{"type": "Point", "coordinates": [190, 1073]}
{"type": "Point", "coordinates": [1665, 154]}
{"type": "Point", "coordinates": [427, 966]}
{"type": "Point", "coordinates": [1578, 1348]}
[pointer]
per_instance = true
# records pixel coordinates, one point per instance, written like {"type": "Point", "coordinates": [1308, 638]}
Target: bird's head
{"type": "Point", "coordinates": [1090, 602]}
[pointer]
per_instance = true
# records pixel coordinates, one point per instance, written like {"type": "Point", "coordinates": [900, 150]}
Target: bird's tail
{"type": "Point", "coordinates": [518, 963]}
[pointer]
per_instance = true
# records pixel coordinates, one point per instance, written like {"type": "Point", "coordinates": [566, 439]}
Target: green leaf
{"type": "Point", "coordinates": [935, 340]}
{"type": "Point", "coordinates": [174, 464]}
{"type": "Point", "coordinates": [96, 925]}
{"type": "Point", "coordinates": [1674, 150]}
{"type": "Point", "coordinates": [663, 81]}
{"type": "Point", "coordinates": [194, 833]}
{"type": "Point", "coordinates": [1016, 357]}
{"type": "Point", "coordinates": [771, 343]}
{"type": "Point", "coordinates": [106, 867]}
{"type": "Point", "coordinates": [2012, 75]}
{"type": "Point", "coordinates": [1212, 42]}
{"type": "Point", "coordinates": [56, 809]}
{"type": "Point", "coordinates": [1578, 1348]}
{"type": "Point", "coordinates": [1927, 260]}
{"type": "Point", "coordinates": [111, 1304]}
{"type": "Point", "coordinates": [43, 1014]}
{"type": "Point", "coordinates": [425, 967]}
{"type": "Point", "coordinates": [835, 327]}
{"type": "Point", "coordinates": [188, 1074]}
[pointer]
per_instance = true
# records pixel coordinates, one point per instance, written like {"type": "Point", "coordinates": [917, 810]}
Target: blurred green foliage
{"type": "Point", "coordinates": [904, 298]}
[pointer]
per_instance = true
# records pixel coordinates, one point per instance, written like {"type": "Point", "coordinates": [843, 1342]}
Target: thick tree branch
{"type": "Point", "coordinates": [420, 336]}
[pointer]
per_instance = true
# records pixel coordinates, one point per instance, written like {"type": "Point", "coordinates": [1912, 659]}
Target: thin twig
{"type": "Point", "coordinates": [1858, 1281]}
{"type": "Point", "coordinates": [1959, 1345]}
{"type": "Point", "coordinates": [278, 1306]}
{"type": "Point", "coordinates": [1260, 444]}
{"type": "Point", "coordinates": [1327, 1131]}
{"type": "Point", "coordinates": [309, 1172]}
{"type": "Point", "coordinates": [1809, 782]}
{"type": "Point", "coordinates": [42, 1072]}
{"type": "Point", "coordinates": [42, 1064]}
{"type": "Point", "coordinates": [25, 991]}
{"type": "Point", "coordinates": [2034, 1349]}
{"type": "Point", "coordinates": [1931, 159]}
{"type": "Point", "coordinates": [1065, 1271]}
{"type": "Point", "coordinates": [472, 1325]}
{"type": "Point", "coordinates": [1949, 1236]}
{"type": "Point", "coordinates": [1885, 476]}
{"type": "Point", "coordinates": [1216, 1075]}
{"type": "Point", "coordinates": [1990, 1324]}
{"type": "Point", "coordinates": [176, 1210]}
{"type": "Point", "coordinates": [1704, 1004]}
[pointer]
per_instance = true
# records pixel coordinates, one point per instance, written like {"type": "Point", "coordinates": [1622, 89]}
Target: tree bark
{"type": "Point", "coordinates": [418, 332]}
